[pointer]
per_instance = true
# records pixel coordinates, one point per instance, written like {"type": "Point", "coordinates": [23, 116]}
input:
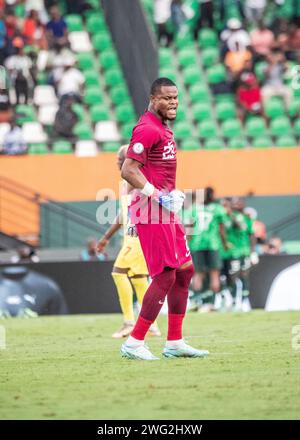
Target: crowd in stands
{"type": "Point", "coordinates": [258, 43]}
{"type": "Point", "coordinates": [47, 73]}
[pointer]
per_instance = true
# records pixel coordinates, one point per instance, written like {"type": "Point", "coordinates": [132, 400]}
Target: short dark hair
{"type": "Point", "coordinates": [160, 82]}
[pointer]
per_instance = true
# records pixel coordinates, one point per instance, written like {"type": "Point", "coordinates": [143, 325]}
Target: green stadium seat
{"type": "Point", "coordinates": [91, 78]}
{"type": "Point", "coordinates": [101, 41]}
{"type": "Point", "coordinates": [255, 127]}
{"type": "Point", "coordinates": [62, 147]}
{"type": "Point", "coordinates": [274, 107]}
{"type": "Point", "coordinates": [190, 144]}
{"type": "Point", "coordinates": [202, 111]}
{"type": "Point", "coordinates": [187, 57]}
{"type": "Point", "coordinates": [99, 112]}
{"type": "Point", "coordinates": [83, 131]}
{"type": "Point", "coordinates": [224, 97]}
{"type": "Point", "coordinates": [183, 40]}
{"type": "Point", "coordinates": [263, 142]}
{"type": "Point", "coordinates": [108, 59]}
{"type": "Point", "coordinates": [25, 113]}
{"type": "Point", "coordinates": [111, 146]}
{"type": "Point", "coordinates": [182, 130]}
{"type": "Point", "coordinates": [92, 96]}
{"type": "Point", "coordinates": [237, 143]}
{"type": "Point", "coordinates": [297, 127]}
{"type": "Point", "coordinates": [119, 95]}
{"type": "Point", "coordinates": [80, 112]}
{"type": "Point", "coordinates": [294, 108]}
{"type": "Point", "coordinates": [165, 57]}
{"type": "Point", "coordinates": [181, 114]}
{"type": "Point", "coordinates": [74, 23]}
{"type": "Point", "coordinates": [85, 61]}
{"type": "Point", "coordinates": [210, 56]}
{"type": "Point", "coordinates": [38, 149]}
{"type": "Point", "coordinates": [199, 92]}
{"type": "Point", "coordinates": [168, 72]}
{"type": "Point", "coordinates": [286, 140]}
{"type": "Point", "coordinates": [214, 143]}
{"type": "Point", "coordinates": [280, 125]}
{"type": "Point", "coordinates": [95, 23]}
{"type": "Point", "coordinates": [191, 75]}
{"type": "Point", "coordinates": [125, 113]}
{"type": "Point", "coordinates": [216, 74]}
{"type": "Point", "coordinates": [225, 110]}
{"type": "Point", "coordinates": [208, 38]}
{"type": "Point", "coordinates": [126, 131]}
{"type": "Point", "coordinates": [260, 70]}
{"type": "Point", "coordinates": [297, 93]}
{"type": "Point", "coordinates": [207, 129]}
{"type": "Point", "coordinates": [113, 77]}
{"type": "Point", "coordinates": [231, 128]}
{"type": "Point", "coordinates": [42, 78]}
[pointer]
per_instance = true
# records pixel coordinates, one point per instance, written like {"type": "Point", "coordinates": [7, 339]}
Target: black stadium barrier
{"type": "Point", "coordinates": [88, 286]}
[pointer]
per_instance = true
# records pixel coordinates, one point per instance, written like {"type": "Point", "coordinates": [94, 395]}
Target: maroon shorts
{"type": "Point", "coordinates": [164, 245]}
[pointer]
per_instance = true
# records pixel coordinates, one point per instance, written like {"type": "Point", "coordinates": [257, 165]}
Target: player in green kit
{"type": "Point", "coordinates": [243, 251]}
{"type": "Point", "coordinates": [208, 233]}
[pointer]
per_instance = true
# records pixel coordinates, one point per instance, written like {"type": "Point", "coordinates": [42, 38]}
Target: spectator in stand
{"type": "Point", "coordinates": [71, 82]}
{"type": "Point", "coordinates": [39, 6]}
{"type": "Point", "coordinates": [57, 31]}
{"type": "Point", "coordinates": [254, 10]}
{"type": "Point", "coordinates": [90, 253]}
{"type": "Point", "coordinates": [57, 58]}
{"type": "Point", "coordinates": [162, 13]}
{"type": "Point", "coordinates": [19, 67]}
{"type": "Point", "coordinates": [274, 247]}
{"type": "Point", "coordinates": [273, 85]}
{"type": "Point", "coordinates": [262, 41]}
{"type": "Point", "coordinates": [65, 119]}
{"type": "Point", "coordinates": [177, 15]}
{"type": "Point", "coordinates": [34, 31]}
{"type": "Point", "coordinates": [13, 142]}
{"type": "Point", "coordinates": [293, 52]}
{"type": "Point", "coordinates": [234, 33]}
{"type": "Point", "coordinates": [206, 16]}
{"type": "Point", "coordinates": [6, 112]}
{"type": "Point", "coordinates": [235, 59]}
{"type": "Point", "coordinates": [2, 37]}
{"type": "Point", "coordinates": [248, 97]}
{"type": "Point", "coordinates": [11, 24]}
{"type": "Point", "coordinates": [25, 254]}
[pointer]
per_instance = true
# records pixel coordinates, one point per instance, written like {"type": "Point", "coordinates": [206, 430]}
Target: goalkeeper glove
{"type": "Point", "coordinates": [172, 201]}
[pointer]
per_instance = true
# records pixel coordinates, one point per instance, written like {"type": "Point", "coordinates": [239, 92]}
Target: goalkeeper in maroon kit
{"type": "Point", "coordinates": [150, 168]}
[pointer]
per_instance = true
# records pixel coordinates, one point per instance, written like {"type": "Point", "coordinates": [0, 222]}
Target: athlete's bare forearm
{"type": "Point", "coordinates": [132, 174]}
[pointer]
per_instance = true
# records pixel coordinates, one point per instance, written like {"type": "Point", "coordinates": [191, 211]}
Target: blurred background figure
{"type": "Point", "coordinates": [274, 246]}
{"type": "Point", "coordinates": [25, 254]}
{"type": "Point", "coordinates": [90, 253]}
{"type": "Point", "coordinates": [13, 142]}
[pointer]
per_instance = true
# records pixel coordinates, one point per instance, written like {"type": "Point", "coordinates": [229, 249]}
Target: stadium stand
{"type": "Point", "coordinates": [102, 106]}
{"type": "Point", "coordinates": [194, 57]}
{"type": "Point", "coordinates": [209, 88]}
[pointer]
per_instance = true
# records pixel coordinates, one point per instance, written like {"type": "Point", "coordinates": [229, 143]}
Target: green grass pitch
{"type": "Point", "coordinates": [70, 368]}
